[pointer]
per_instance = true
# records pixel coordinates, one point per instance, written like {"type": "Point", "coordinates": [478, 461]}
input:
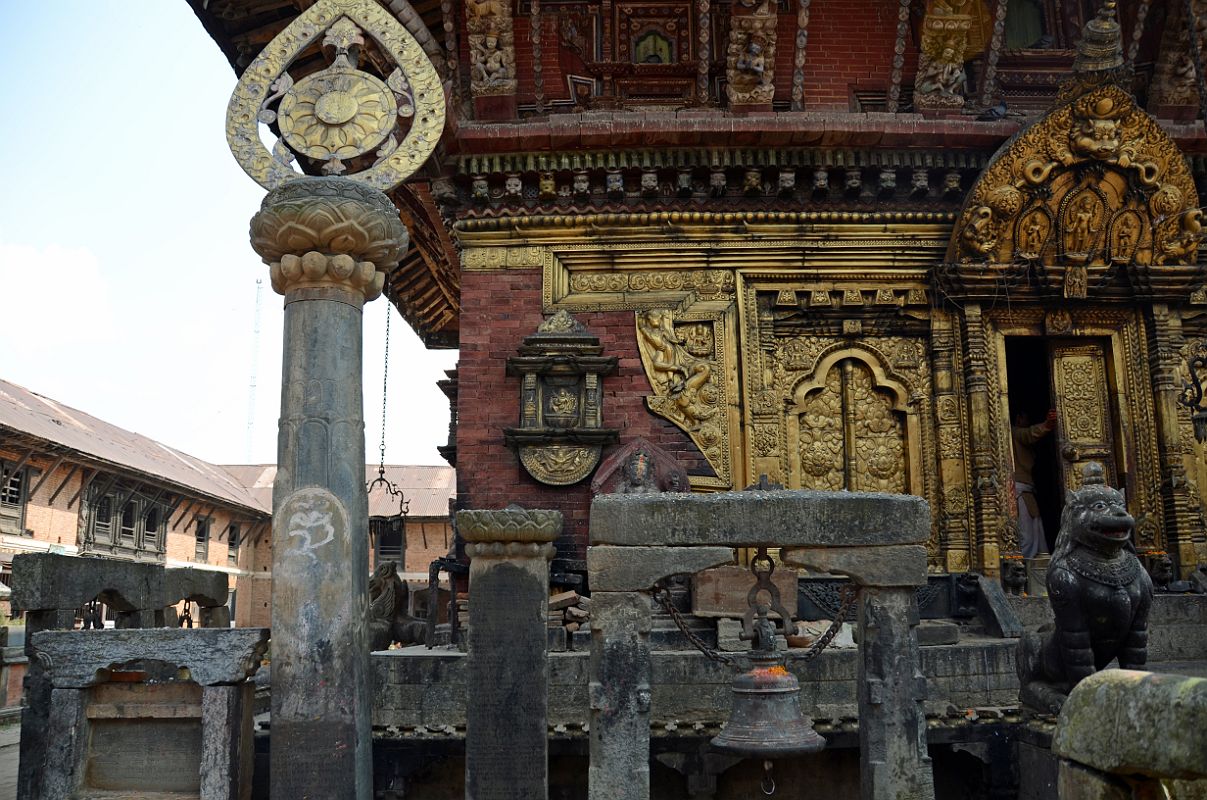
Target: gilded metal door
{"type": "Point", "coordinates": [1082, 397]}
{"type": "Point", "coordinates": [849, 434]}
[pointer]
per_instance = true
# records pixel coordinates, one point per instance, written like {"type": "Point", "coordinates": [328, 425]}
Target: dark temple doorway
{"type": "Point", "coordinates": [1029, 388]}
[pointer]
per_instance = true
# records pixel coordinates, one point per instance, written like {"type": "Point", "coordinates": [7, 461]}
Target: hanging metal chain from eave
{"type": "Point", "coordinates": [385, 386]}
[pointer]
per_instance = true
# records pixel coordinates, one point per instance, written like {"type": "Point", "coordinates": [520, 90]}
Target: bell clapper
{"type": "Point", "coordinates": [768, 784]}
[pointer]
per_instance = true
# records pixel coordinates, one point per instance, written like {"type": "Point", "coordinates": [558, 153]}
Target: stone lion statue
{"type": "Point", "coordinates": [388, 620]}
{"type": "Point", "coordinates": [1100, 595]}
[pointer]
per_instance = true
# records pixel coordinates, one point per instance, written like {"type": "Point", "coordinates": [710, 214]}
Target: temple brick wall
{"type": "Point", "coordinates": [842, 56]}
{"type": "Point", "coordinates": [507, 305]}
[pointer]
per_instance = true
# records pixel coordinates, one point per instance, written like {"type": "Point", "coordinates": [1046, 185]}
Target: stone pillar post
{"type": "Point", "coordinates": [327, 241]}
{"type": "Point", "coordinates": [506, 738]}
{"type": "Point", "coordinates": [891, 689]}
{"type": "Point", "coordinates": [894, 764]}
{"type": "Point", "coordinates": [620, 696]}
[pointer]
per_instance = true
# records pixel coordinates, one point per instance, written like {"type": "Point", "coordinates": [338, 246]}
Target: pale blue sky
{"type": "Point", "coordinates": [127, 281]}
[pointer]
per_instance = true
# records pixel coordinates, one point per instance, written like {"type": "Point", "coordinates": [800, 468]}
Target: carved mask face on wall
{"type": "Point", "coordinates": [512, 186]}
{"type": "Point", "coordinates": [1096, 138]}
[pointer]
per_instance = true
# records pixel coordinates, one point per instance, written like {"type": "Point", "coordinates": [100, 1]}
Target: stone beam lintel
{"type": "Point", "coordinates": [637, 569]}
{"type": "Point", "coordinates": [894, 565]}
{"type": "Point", "coordinates": [784, 518]}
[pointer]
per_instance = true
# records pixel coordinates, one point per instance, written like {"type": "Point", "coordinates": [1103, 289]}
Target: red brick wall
{"type": "Point", "coordinates": [504, 307]}
{"type": "Point", "coordinates": [850, 45]}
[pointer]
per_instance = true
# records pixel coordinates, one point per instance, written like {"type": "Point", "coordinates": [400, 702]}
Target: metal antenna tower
{"type": "Point", "coordinates": [255, 368]}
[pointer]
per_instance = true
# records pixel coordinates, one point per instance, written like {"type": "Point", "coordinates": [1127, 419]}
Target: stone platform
{"type": "Point", "coordinates": [422, 693]}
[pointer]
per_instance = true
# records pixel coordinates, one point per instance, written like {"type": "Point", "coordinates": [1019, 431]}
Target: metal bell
{"type": "Point", "coordinates": [766, 720]}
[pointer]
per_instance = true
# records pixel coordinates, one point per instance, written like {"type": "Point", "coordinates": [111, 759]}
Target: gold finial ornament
{"type": "Point", "coordinates": [342, 113]}
{"type": "Point", "coordinates": [1101, 45]}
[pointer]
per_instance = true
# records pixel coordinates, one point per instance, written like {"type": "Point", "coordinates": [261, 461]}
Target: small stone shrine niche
{"type": "Point", "coordinates": [640, 467]}
{"type": "Point", "coordinates": [561, 434]}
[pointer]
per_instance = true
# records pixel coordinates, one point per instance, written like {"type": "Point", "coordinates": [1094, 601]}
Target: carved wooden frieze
{"type": "Point", "coordinates": [1093, 200]}
{"type": "Point", "coordinates": [561, 434]}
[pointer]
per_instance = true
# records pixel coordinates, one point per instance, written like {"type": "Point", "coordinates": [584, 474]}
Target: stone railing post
{"type": "Point", "coordinates": [327, 242]}
{"type": "Point", "coordinates": [506, 738]}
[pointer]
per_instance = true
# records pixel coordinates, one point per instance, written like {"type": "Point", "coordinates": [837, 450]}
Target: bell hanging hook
{"type": "Point", "coordinates": [768, 784]}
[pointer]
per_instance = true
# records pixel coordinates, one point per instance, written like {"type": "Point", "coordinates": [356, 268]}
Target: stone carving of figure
{"type": "Point", "coordinates": [1127, 234]}
{"type": "Point", "coordinates": [980, 235]}
{"type": "Point", "coordinates": [659, 334]}
{"type": "Point", "coordinates": [1077, 281]}
{"type": "Point", "coordinates": [1181, 247]}
{"type": "Point", "coordinates": [1034, 233]}
{"type": "Point", "coordinates": [489, 67]}
{"type": "Point", "coordinates": [513, 187]}
{"type": "Point", "coordinates": [943, 76]}
{"type": "Point", "coordinates": [752, 61]}
{"type": "Point", "coordinates": [388, 620]}
{"type": "Point", "coordinates": [582, 184]}
{"type": "Point", "coordinates": [638, 475]}
{"type": "Point", "coordinates": [678, 376]}
{"type": "Point", "coordinates": [649, 184]}
{"type": "Point", "coordinates": [1100, 595]}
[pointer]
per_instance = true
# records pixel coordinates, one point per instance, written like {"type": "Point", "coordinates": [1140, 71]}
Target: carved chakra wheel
{"type": "Point", "coordinates": [341, 119]}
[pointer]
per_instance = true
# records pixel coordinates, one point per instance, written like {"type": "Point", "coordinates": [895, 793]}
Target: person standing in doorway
{"type": "Point", "coordinates": [1031, 538]}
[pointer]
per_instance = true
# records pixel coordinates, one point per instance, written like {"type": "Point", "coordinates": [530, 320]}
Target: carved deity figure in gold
{"type": "Point", "coordinates": [681, 381]}
{"type": "Point", "coordinates": [1081, 226]}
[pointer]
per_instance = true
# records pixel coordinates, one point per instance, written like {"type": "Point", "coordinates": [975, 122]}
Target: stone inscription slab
{"type": "Point", "coordinates": [506, 747]}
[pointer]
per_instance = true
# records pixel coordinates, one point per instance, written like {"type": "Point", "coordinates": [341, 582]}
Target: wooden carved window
{"type": "Point", "coordinates": [102, 520]}
{"type": "Point", "coordinates": [850, 434]}
{"type": "Point", "coordinates": [232, 545]}
{"type": "Point", "coordinates": [202, 550]}
{"type": "Point", "coordinates": [14, 487]}
{"type": "Point", "coordinates": [151, 525]}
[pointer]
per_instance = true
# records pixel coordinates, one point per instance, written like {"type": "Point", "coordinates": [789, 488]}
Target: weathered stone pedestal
{"type": "Point", "coordinates": [1122, 733]}
{"type": "Point", "coordinates": [179, 723]}
{"type": "Point", "coordinates": [874, 539]}
{"type": "Point", "coordinates": [327, 241]}
{"type": "Point", "coordinates": [50, 588]}
{"type": "Point", "coordinates": [506, 744]}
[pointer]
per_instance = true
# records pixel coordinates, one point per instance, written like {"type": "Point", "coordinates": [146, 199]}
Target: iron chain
{"type": "Point", "coordinates": [850, 593]}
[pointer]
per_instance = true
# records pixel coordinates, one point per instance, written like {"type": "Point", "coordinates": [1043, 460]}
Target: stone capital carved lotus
{"type": "Point", "coordinates": [330, 216]}
{"type": "Point", "coordinates": [512, 524]}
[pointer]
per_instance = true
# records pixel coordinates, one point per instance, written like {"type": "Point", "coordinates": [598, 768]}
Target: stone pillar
{"type": "Point", "coordinates": [328, 242]}
{"type": "Point", "coordinates": [619, 694]}
{"type": "Point", "coordinates": [621, 615]}
{"type": "Point", "coordinates": [506, 737]}
{"type": "Point", "coordinates": [891, 689]}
